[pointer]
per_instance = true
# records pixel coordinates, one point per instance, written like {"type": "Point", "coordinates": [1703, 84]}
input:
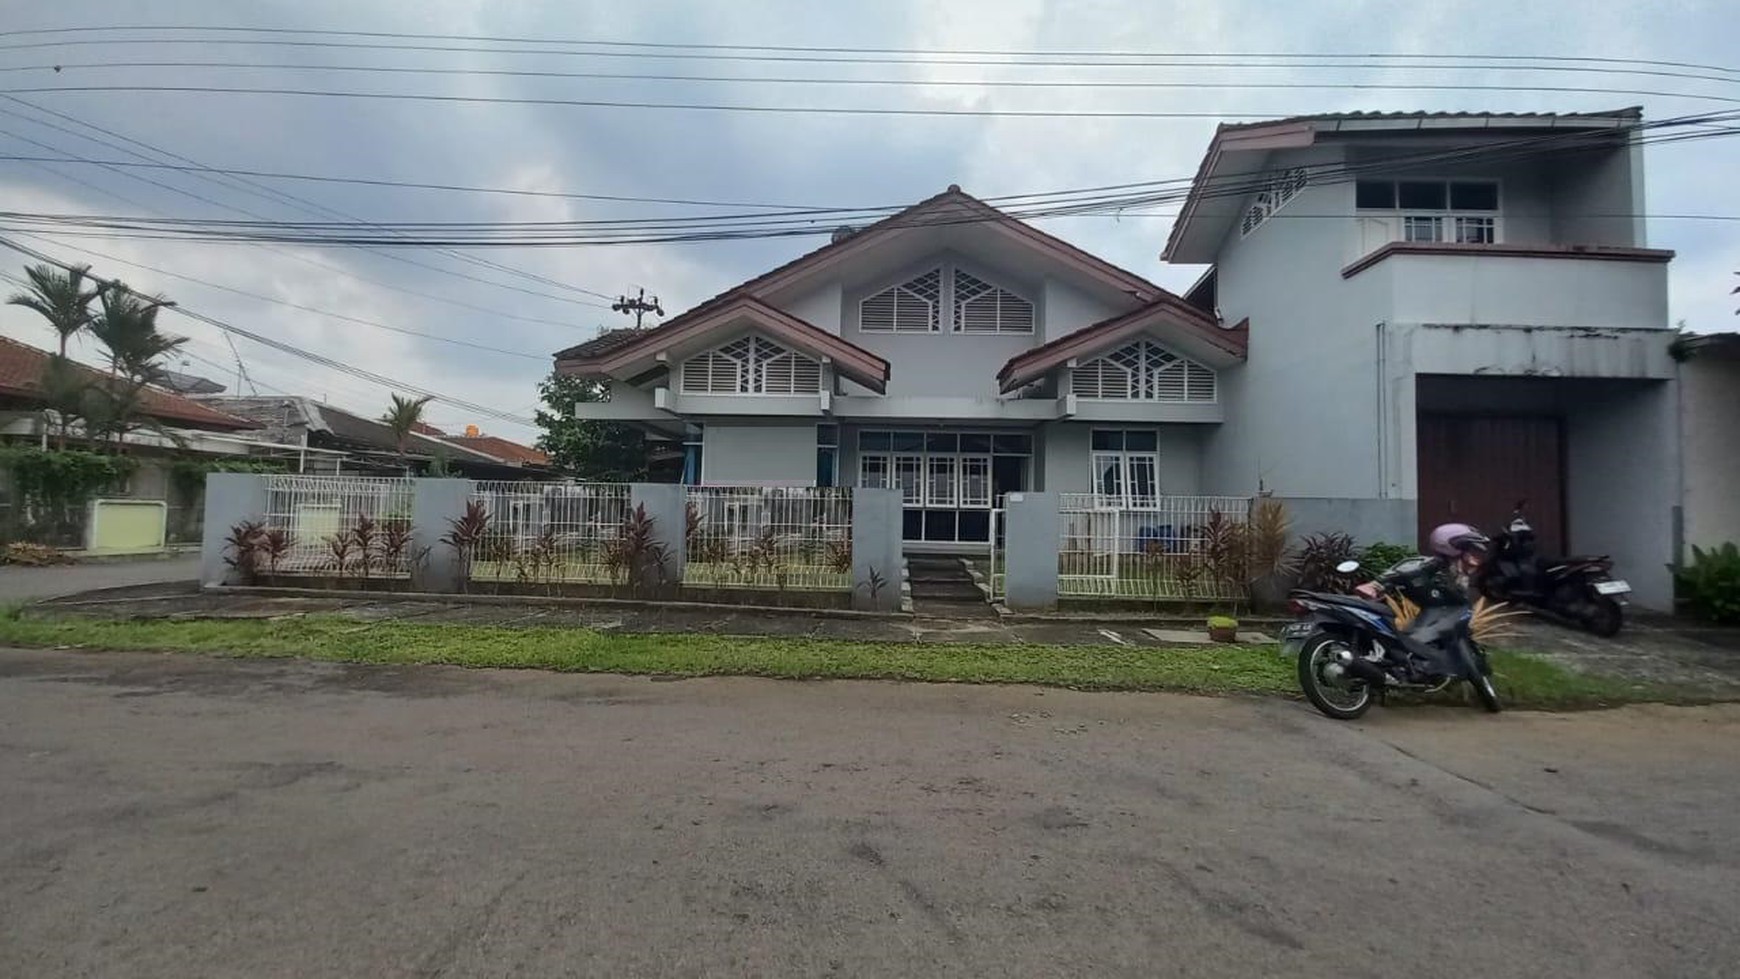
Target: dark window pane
{"type": "Point", "coordinates": [912, 525]}
{"type": "Point", "coordinates": [940, 442]}
{"type": "Point", "coordinates": [824, 467]}
{"type": "Point", "coordinates": [1417, 195]}
{"type": "Point", "coordinates": [1139, 441]}
{"type": "Point", "coordinates": [827, 435]}
{"type": "Point", "coordinates": [1108, 440]}
{"type": "Point", "coordinates": [908, 441]}
{"type": "Point", "coordinates": [1019, 445]}
{"type": "Point", "coordinates": [939, 525]}
{"type": "Point", "coordinates": [1474, 196]}
{"type": "Point", "coordinates": [975, 443]}
{"type": "Point", "coordinates": [1375, 193]}
{"type": "Point", "coordinates": [873, 441]}
{"type": "Point", "coordinates": [975, 525]}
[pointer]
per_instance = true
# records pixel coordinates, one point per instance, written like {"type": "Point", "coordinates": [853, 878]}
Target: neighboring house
{"type": "Point", "coordinates": [948, 350]}
{"type": "Point", "coordinates": [1448, 312]}
{"type": "Point", "coordinates": [1709, 421]}
{"type": "Point", "coordinates": [152, 504]}
{"type": "Point", "coordinates": [332, 440]}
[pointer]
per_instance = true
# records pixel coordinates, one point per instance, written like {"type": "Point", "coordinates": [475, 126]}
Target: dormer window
{"type": "Point", "coordinates": [947, 299]}
{"type": "Point", "coordinates": [751, 366]}
{"type": "Point", "coordinates": [1144, 371]}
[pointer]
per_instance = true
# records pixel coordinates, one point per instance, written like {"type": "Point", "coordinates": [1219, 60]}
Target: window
{"type": "Point", "coordinates": [941, 470]}
{"type": "Point", "coordinates": [1125, 467]}
{"type": "Point", "coordinates": [1144, 371]}
{"type": "Point", "coordinates": [914, 306]}
{"type": "Point", "coordinates": [1280, 188]}
{"type": "Point", "coordinates": [909, 475]}
{"type": "Point", "coordinates": [972, 305]}
{"type": "Point", "coordinates": [873, 472]}
{"type": "Point", "coordinates": [976, 481]}
{"type": "Point", "coordinates": [1464, 211]}
{"type": "Point", "coordinates": [981, 307]}
{"type": "Point", "coordinates": [827, 455]}
{"type": "Point", "coordinates": [940, 486]}
{"type": "Point", "coordinates": [752, 366]}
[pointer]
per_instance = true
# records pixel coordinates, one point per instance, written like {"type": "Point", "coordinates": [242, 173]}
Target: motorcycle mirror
{"type": "Point", "coordinates": [1347, 567]}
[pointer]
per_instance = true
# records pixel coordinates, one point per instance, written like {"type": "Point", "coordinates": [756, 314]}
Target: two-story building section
{"type": "Point", "coordinates": [1449, 312]}
{"type": "Point", "coordinates": [948, 350]}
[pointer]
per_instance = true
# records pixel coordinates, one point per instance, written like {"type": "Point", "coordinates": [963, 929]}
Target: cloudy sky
{"type": "Point", "coordinates": [548, 298]}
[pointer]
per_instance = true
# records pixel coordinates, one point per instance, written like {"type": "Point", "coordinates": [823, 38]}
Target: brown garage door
{"type": "Point", "coordinates": [1474, 469]}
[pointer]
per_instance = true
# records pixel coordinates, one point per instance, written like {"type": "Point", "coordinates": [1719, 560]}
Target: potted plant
{"type": "Point", "coordinates": [1223, 628]}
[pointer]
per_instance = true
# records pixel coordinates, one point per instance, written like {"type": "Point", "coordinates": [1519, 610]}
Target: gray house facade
{"type": "Point", "coordinates": [1448, 313]}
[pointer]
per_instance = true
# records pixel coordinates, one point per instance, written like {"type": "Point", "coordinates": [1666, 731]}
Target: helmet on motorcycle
{"type": "Point", "coordinates": [1452, 540]}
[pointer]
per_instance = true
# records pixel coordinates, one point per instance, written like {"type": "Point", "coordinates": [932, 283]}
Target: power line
{"type": "Point", "coordinates": [895, 82]}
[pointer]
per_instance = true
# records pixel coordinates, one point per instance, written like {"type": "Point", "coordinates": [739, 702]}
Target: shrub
{"type": "Point", "coordinates": [1318, 556]}
{"type": "Point", "coordinates": [1267, 537]}
{"type": "Point", "coordinates": [1383, 556]}
{"type": "Point", "coordinates": [34, 555]}
{"type": "Point", "coordinates": [1710, 584]}
{"type": "Point", "coordinates": [1222, 622]}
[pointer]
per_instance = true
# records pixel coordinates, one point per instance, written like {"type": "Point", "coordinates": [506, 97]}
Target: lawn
{"type": "Point", "coordinates": [1522, 680]}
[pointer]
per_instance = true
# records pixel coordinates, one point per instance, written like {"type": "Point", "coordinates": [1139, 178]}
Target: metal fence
{"type": "Point", "coordinates": [769, 537]}
{"type": "Point", "coordinates": [339, 525]}
{"type": "Point", "coordinates": [1168, 547]}
{"type": "Point", "coordinates": [550, 532]}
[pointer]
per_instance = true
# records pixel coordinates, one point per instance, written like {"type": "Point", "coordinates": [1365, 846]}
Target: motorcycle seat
{"type": "Point", "coordinates": [1576, 561]}
{"type": "Point", "coordinates": [1350, 601]}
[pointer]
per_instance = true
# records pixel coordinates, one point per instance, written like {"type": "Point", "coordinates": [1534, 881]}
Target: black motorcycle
{"type": "Point", "coordinates": [1350, 651]}
{"type": "Point", "coordinates": [1579, 591]}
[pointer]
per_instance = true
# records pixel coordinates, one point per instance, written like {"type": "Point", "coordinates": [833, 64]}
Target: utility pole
{"type": "Point", "coordinates": [640, 305]}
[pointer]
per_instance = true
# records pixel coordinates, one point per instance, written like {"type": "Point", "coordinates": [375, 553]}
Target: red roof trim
{"type": "Point", "coordinates": [1031, 363]}
{"type": "Point", "coordinates": [1603, 253]}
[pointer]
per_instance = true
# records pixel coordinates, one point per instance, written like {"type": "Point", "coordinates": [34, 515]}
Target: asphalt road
{"type": "Point", "coordinates": [179, 816]}
{"type": "Point", "coordinates": [20, 584]}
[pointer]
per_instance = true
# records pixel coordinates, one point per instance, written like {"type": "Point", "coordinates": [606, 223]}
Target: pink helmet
{"type": "Point", "coordinates": [1452, 540]}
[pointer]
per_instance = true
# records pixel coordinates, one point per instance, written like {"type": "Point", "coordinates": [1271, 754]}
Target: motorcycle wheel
{"type": "Point", "coordinates": [1606, 617]}
{"type": "Point", "coordinates": [1483, 690]}
{"type": "Point", "coordinates": [1343, 703]}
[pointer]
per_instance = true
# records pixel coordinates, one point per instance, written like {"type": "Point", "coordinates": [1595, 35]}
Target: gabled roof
{"type": "Point", "coordinates": [1294, 132]}
{"type": "Point", "coordinates": [366, 433]}
{"type": "Point", "coordinates": [848, 358]}
{"type": "Point", "coordinates": [950, 207]}
{"type": "Point", "coordinates": [1186, 324]}
{"type": "Point", "coordinates": [22, 367]}
{"type": "Point", "coordinates": [500, 448]}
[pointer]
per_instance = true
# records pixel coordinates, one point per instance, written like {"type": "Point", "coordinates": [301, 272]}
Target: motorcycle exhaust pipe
{"type": "Point", "coordinates": [1366, 670]}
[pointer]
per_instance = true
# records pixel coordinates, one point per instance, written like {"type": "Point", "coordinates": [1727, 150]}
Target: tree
{"type": "Point", "coordinates": [60, 297]}
{"type": "Point", "coordinates": [403, 416]}
{"type": "Point", "coordinates": [135, 350]}
{"type": "Point", "coordinates": [606, 451]}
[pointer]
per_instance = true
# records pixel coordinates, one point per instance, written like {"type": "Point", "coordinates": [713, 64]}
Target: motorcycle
{"type": "Point", "coordinates": [1350, 652]}
{"type": "Point", "coordinates": [1578, 591]}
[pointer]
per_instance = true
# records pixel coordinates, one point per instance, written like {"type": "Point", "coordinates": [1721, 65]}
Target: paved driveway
{"type": "Point", "coordinates": [29, 584]}
{"type": "Point", "coordinates": [178, 816]}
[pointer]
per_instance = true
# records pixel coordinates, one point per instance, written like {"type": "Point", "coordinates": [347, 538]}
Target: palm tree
{"type": "Point", "coordinates": [61, 298]}
{"type": "Point", "coordinates": [135, 349]}
{"type": "Point", "coordinates": [403, 416]}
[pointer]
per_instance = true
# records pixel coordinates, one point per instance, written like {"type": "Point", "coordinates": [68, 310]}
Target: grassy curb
{"type": "Point", "coordinates": [1523, 681]}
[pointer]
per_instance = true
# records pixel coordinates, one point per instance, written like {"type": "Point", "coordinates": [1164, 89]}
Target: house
{"type": "Point", "coordinates": [1709, 419]}
{"type": "Point", "coordinates": [151, 507]}
{"type": "Point", "coordinates": [947, 350]}
{"type": "Point", "coordinates": [329, 439]}
{"type": "Point", "coordinates": [1448, 313]}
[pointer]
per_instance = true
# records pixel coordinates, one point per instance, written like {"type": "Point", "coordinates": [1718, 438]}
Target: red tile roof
{"type": "Point", "coordinates": [501, 448]}
{"type": "Point", "coordinates": [1031, 364]}
{"type": "Point", "coordinates": [22, 367]}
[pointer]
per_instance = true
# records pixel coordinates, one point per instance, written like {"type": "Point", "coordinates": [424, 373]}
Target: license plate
{"type": "Point", "coordinates": [1612, 587]}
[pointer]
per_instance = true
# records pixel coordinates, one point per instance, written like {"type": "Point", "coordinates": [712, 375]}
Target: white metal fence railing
{"type": "Point", "coordinates": [996, 572]}
{"type": "Point", "coordinates": [769, 537]}
{"type": "Point", "coordinates": [550, 532]}
{"type": "Point", "coordinates": [1154, 547]}
{"type": "Point", "coordinates": [342, 525]}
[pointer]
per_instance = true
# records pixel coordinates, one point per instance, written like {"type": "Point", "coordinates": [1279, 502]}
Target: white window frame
{"type": "Point", "coordinates": [1143, 381]}
{"type": "Point", "coordinates": [1448, 221]}
{"type": "Point", "coordinates": [881, 469]}
{"type": "Point", "coordinates": [1124, 465]}
{"type": "Point", "coordinates": [945, 315]}
{"type": "Point", "coordinates": [750, 370]}
{"type": "Point", "coordinates": [1278, 191]}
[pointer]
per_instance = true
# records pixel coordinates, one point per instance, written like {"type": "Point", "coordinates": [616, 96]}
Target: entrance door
{"type": "Point", "coordinates": [1474, 469]}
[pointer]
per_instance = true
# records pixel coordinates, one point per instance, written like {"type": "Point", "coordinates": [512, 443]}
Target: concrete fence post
{"type": "Point", "coordinates": [230, 498]}
{"type": "Point", "coordinates": [876, 551]}
{"type": "Point", "coordinates": [666, 504]}
{"type": "Point", "coordinates": [1030, 536]}
{"type": "Point", "coordinates": [435, 503]}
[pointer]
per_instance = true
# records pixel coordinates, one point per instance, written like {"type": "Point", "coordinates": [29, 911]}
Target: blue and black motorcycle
{"type": "Point", "coordinates": [1350, 651]}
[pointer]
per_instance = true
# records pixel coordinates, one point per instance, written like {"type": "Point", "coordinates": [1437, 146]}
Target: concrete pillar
{"type": "Point", "coordinates": [1030, 536]}
{"type": "Point", "coordinates": [876, 551]}
{"type": "Point", "coordinates": [435, 503]}
{"type": "Point", "coordinates": [666, 504]}
{"type": "Point", "coordinates": [230, 498]}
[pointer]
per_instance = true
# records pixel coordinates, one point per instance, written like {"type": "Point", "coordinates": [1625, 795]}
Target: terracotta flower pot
{"type": "Point", "coordinates": [1223, 633]}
